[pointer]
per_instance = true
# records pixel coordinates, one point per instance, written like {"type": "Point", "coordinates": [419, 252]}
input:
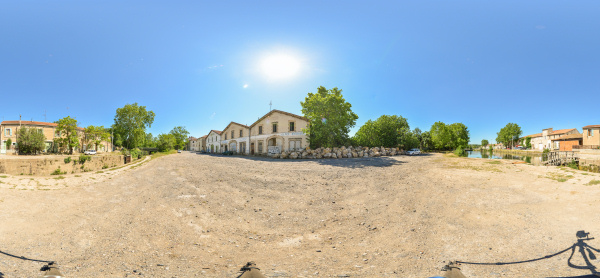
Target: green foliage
{"type": "Point", "coordinates": [130, 125]}
{"type": "Point", "coordinates": [573, 164]}
{"type": "Point", "coordinates": [150, 141]}
{"type": "Point", "coordinates": [8, 143]}
{"type": "Point", "coordinates": [135, 153]}
{"type": "Point", "coordinates": [166, 142]}
{"type": "Point", "coordinates": [67, 128]}
{"type": "Point", "coordinates": [484, 142]}
{"type": "Point", "coordinates": [448, 137]}
{"type": "Point", "coordinates": [491, 148]}
{"type": "Point", "coordinates": [31, 140]}
{"type": "Point", "coordinates": [96, 135]}
{"type": "Point", "coordinates": [546, 151]}
{"type": "Point", "coordinates": [528, 142]}
{"type": "Point", "coordinates": [386, 131]}
{"type": "Point", "coordinates": [58, 172]}
{"type": "Point", "coordinates": [509, 134]}
{"type": "Point", "coordinates": [181, 137]}
{"type": "Point", "coordinates": [104, 166]}
{"type": "Point", "coordinates": [460, 151]}
{"type": "Point", "coordinates": [83, 158]}
{"type": "Point", "coordinates": [330, 118]}
{"type": "Point", "coordinates": [67, 160]}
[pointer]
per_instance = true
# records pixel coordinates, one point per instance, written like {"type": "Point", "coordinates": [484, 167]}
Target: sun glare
{"type": "Point", "coordinates": [280, 66]}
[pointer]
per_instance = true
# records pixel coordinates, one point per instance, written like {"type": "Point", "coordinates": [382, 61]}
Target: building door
{"type": "Point", "coordinates": [252, 148]}
{"type": "Point", "coordinates": [3, 148]}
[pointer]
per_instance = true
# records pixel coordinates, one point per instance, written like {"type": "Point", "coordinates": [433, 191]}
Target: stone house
{"type": "Point", "coordinates": [278, 131]}
{"type": "Point", "coordinates": [193, 144]}
{"type": "Point", "coordinates": [235, 138]}
{"type": "Point", "coordinates": [541, 141]}
{"type": "Point", "coordinates": [203, 142]}
{"type": "Point", "coordinates": [591, 136]}
{"type": "Point", "coordinates": [9, 130]}
{"type": "Point", "coordinates": [566, 142]}
{"type": "Point", "coordinates": [213, 141]}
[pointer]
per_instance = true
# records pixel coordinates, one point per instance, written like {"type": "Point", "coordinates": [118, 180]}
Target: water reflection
{"type": "Point", "coordinates": [533, 159]}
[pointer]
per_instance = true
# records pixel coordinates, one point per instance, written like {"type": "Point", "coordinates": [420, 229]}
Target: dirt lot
{"type": "Point", "coordinates": [188, 215]}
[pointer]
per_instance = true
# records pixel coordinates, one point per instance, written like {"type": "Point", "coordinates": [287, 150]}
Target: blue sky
{"type": "Point", "coordinates": [200, 64]}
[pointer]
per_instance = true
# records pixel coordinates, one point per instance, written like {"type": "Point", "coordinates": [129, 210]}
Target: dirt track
{"type": "Point", "coordinates": [187, 215]}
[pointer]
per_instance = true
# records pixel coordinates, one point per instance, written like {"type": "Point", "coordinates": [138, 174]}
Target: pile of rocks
{"type": "Point", "coordinates": [342, 152]}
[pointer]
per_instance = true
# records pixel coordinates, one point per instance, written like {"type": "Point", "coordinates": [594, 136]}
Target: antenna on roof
{"type": "Point", "coordinates": [270, 104]}
{"type": "Point", "coordinates": [44, 115]}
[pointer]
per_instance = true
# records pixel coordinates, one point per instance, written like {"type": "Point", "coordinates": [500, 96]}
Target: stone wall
{"type": "Point", "coordinates": [44, 166]}
{"type": "Point", "coordinates": [588, 157]}
{"type": "Point", "coordinates": [342, 152]}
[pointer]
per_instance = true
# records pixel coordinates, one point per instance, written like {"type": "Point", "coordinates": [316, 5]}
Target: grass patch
{"type": "Point", "coordinates": [161, 154]}
{"type": "Point", "coordinates": [60, 178]}
{"type": "Point", "coordinates": [3, 176]}
{"type": "Point", "coordinates": [593, 182]}
{"type": "Point", "coordinates": [559, 177]}
{"type": "Point", "coordinates": [494, 162]}
{"type": "Point", "coordinates": [58, 172]}
{"type": "Point", "coordinates": [100, 172]}
{"type": "Point", "coordinates": [78, 176]}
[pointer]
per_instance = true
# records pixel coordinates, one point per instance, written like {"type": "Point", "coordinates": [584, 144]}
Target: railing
{"type": "Point", "coordinates": [586, 146]}
{"type": "Point", "coordinates": [559, 157]}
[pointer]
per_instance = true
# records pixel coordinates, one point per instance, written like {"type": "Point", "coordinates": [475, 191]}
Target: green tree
{"type": "Point", "coordinates": [528, 142]}
{"type": "Point", "coordinates": [150, 141]}
{"type": "Point", "coordinates": [181, 136]}
{"type": "Point", "coordinates": [130, 125]}
{"type": "Point", "coordinates": [31, 140]}
{"type": "Point", "coordinates": [426, 143]}
{"type": "Point", "coordinates": [166, 142]}
{"type": "Point", "coordinates": [96, 135]}
{"type": "Point", "coordinates": [509, 134]}
{"type": "Point", "coordinates": [441, 137]}
{"type": "Point", "coordinates": [460, 135]}
{"type": "Point", "coordinates": [330, 117]}
{"type": "Point", "coordinates": [8, 143]}
{"type": "Point", "coordinates": [386, 131]}
{"type": "Point", "coordinates": [484, 142]}
{"type": "Point", "coordinates": [67, 129]}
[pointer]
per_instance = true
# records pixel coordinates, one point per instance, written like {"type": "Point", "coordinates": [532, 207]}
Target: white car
{"type": "Point", "coordinates": [90, 152]}
{"type": "Point", "coordinates": [414, 152]}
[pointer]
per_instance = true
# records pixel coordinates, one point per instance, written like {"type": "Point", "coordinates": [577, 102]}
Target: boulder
{"type": "Point", "coordinates": [333, 155]}
{"type": "Point", "coordinates": [327, 155]}
{"type": "Point", "coordinates": [294, 155]}
{"type": "Point", "coordinates": [284, 155]}
{"type": "Point", "coordinates": [376, 154]}
{"type": "Point", "coordinates": [275, 155]}
{"type": "Point", "coordinates": [354, 154]}
{"type": "Point", "coordinates": [305, 154]}
{"type": "Point", "coordinates": [338, 154]}
{"type": "Point", "coordinates": [318, 156]}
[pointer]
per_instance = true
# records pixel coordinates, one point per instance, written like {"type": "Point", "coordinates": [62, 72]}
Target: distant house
{"type": "Point", "coordinates": [193, 144]}
{"type": "Point", "coordinates": [566, 142]}
{"type": "Point", "coordinates": [278, 131]}
{"type": "Point", "coordinates": [9, 130]}
{"type": "Point", "coordinates": [541, 141]}
{"type": "Point", "coordinates": [213, 141]}
{"type": "Point", "coordinates": [235, 138]}
{"type": "Point", "coordinates": [591, 135]}
{"type": "Point", "coordinates": [203, 142]}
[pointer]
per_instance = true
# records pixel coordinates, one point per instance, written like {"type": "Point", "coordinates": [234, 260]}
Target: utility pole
{"type": "Point", "coordinates": [45, 116]}
{"type": "Point", "coordinates": [270, 105]}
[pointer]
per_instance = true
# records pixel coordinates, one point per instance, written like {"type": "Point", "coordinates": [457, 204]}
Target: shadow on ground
{"type": "Point", "coordinates": [352, 163]}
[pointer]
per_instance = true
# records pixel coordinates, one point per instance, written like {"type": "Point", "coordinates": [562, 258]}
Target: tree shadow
{"type": "Point", "coordinates": [352, 163]}
{"type": "Point", "coordinates": [581, 247]}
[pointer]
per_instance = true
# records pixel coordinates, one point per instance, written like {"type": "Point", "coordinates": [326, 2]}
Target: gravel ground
{"type": "Point", "coordinates": [191, 215]}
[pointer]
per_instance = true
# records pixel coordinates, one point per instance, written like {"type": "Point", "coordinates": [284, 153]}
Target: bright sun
{"type": "Point", "coordinates": [280, 66]}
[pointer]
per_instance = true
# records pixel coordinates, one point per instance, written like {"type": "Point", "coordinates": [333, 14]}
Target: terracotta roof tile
{"type": "Point", "coordinates": [591, 126]}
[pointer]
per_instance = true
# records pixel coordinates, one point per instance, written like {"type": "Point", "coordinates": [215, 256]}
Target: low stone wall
{"type": "Point", "coordinates": [588, 157]}
{"type": "Point", "coordinates": [342, 152]}
{"type": "Point", "coordinates": [45, 166]}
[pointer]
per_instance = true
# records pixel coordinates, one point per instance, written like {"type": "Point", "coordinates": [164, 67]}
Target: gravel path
{"type": "Point", "coordinates": [191, 215]}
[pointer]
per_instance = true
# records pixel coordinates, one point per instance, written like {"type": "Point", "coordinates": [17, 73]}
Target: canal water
{"type": "Point", "coordinates": [533, 159]}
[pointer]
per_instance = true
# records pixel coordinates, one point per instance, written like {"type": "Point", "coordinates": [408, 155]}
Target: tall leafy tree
{"type": "Point", "coordinates": [460, 135]}
{"type": "Point", "coordinates": [181, 136]}
{"type": "Point", "coordinates": [96, 135]}
{"type": "Point", "coordinates": [386, 131]}
{"type": "Point", "coordinates": [165, 142]}
{"type": "Point", "coordinates": [484, 142]}
{"type": "Point", "coordinates": [528, 142]}
{"type": "Point", "coordinates": [509, 134]}
{"type": "Point", "coordinates": [130, 124]}
{"type": "Point", "coordinates": [67, 129]}
{"type": "Point", "coordinates": [330, 117]}
{"type": "Point", "coordinates": [441, 137]}
{"type": "Point", "coordinates": [31, 140]}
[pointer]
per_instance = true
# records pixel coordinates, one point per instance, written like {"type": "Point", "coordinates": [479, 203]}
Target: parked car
{"type": "Point", "coordinates": [414, 152]}
{"type": "Point", "coordinates": [90, 152]}
{"type": "Point", "coordinates": [178, 151]}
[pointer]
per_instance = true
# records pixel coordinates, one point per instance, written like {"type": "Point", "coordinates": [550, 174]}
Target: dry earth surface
{"type": "Point", "coordinates": [188, 215]}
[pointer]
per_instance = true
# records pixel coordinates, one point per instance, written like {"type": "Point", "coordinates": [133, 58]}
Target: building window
{"type": "Point", "coordinates": [232, 135]}
{"type": "Point", "coordinates": [7, 132]}
{"type": "Point", "coordinates": [292, 127]}
{"type": "Point", "coordinates": [225, 136]}
{"type": "Point", "coordinates": [241, 132]}
{"type": "Point", "coordinates": [260, 129]}
{"type": "Point", "coordinates": [274, 128]}
{"type": "Point", "coordinates": [260, 147]}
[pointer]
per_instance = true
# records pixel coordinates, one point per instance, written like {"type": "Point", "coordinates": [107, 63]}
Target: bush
{"type": "Point", "coordinates": [491, 149]}
{"type": "Point", "coordinates": [67, 160]}
{"type": "Point", "coordinates": [58, 172]}
{"type": "Point", "coordinates": [460, 151]}
{"type": "Point", "coordinates": [104, 166]}
{"type": "Point", "coordinates": [546, 151]}
{"type": "Point", "coordinates": [573, 164]}
{"type": "Point", "coordinates": [83, 158]}
{"type": "Point", "coordinates": [135, 153]}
